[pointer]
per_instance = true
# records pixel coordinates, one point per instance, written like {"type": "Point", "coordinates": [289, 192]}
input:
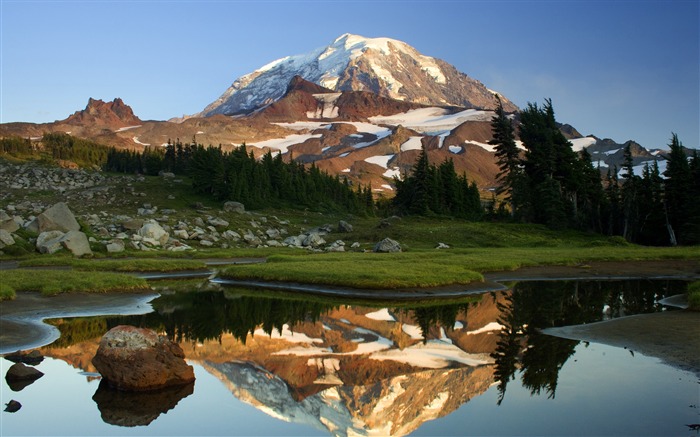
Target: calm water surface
{"type": "Point", "coordinates": [267, 365]}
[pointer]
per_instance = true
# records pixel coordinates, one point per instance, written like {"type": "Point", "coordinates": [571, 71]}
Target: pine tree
{"type": "Point", "coordinates": [509, 163]}
{"type": "Point", "coordinates": [677, 190]}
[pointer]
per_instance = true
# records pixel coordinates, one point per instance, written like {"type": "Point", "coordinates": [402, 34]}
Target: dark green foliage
{"type": "Point", "coordinates": [438, 190]}
{"type": "Point", "coordinates": [681, 194]}
{"type": "Point", "coordinates": [57, 146]}
{"type": "Point", "coordinates": [239, 176]}
{"type": "Point", "coordinates": [510, 175]}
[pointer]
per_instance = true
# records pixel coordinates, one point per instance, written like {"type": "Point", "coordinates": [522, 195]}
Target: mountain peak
{"type": "Point", "coordinates": [384, 66]}
{"type": "Point", "coordinates": [114, 114]}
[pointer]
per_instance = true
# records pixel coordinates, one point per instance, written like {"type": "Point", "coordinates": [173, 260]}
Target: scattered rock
{"type": "Point", "coordinates": [59, 217]}
{"type": "Point", "coordinates": [77, 243]}
{"type": "Point", "coordinates": [49, 242]}
{"type": "Point", "coordinates": [313, 240]}
{"type": "Point", "coordinates": [387, 245]}
{"type": "Point", "coordinates": [6, 238]}
{"type": "Point", "coordinates": [13, 406]}
{"type": "Point", "coordinates": [32, 358]}
{"type": "Point", "coordinates": [231, 206]}
{"type": "Point", "coordinates": [152, 229]}
{"type": "Point", "coordinates": [217, 222]}
{"type": "Point", "coordinates": [116, 245]}
{"type": "Point", "coordinates": [344, 226]}
{"type": "Point", "coordinates": [138, 359]}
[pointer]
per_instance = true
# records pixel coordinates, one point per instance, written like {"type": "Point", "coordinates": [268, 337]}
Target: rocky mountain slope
{"type": "Point", "coordinates": [383, 66]}
{"type": "Point", "coordinates": [349, 108]}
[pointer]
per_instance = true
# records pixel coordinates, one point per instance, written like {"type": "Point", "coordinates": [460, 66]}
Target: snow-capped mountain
{"type": "Point", "coordinates": [384, 66]}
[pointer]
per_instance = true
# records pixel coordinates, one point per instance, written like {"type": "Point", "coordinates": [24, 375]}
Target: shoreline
{"type": "Point", "coordinates": [22, 323]}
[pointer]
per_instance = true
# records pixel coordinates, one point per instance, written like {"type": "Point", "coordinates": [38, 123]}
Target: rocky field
{"type": "Point", "coordinates": [42, 208]}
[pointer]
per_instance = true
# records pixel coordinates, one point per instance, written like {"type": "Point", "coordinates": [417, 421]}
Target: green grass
{"type": "Point", "coordinates": [694, 296]}
{"type": "Point", "coordinates": [117, 265]}
{"type": "Point", "coordinates": [6, 292]}
{"type": "Point", "coordinates": [52, 282]}
{"type": "Point", "coordinates": [430, 268]}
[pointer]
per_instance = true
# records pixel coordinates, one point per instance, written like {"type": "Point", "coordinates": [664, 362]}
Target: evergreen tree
{"type": "Point", "coordinates": [509, 163]}
{"type": "Point", "coordinates": [677, 190]}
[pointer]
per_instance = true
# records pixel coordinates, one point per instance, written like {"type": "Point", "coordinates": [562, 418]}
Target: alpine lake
{"type": "Point", "coordinates": [270, 363]}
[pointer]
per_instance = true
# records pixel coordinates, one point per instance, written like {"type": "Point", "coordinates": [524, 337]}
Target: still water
{"type": "Point", "coordinates": [272, 365]}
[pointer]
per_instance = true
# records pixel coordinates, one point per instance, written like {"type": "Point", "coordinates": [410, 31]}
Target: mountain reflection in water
{"type": "Point", "coordinates": [347, 368]}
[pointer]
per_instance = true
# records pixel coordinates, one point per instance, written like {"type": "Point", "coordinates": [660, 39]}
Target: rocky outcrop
{"type": "Point", "coordinates": [138, 359]}
{"type": "Point", "coordinates": [114, 114]}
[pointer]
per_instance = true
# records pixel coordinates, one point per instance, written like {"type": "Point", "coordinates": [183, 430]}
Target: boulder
{"type": "Point", "coordinates": [132, 224]}
{"type": "Point", "coordinates": [294, 240]}
{"type": "Point", "coordinates": [6, 239]}
{"type": "Point", "coordinates": [387, 245]}
{"type": "Point", "coordinates": [217, 222]}
{"type": "Point", "coordinates": [13, 406]}
{"type": "Point", "coordinates": [49, 242]}
{"type": "Point", "coordinates": [57, 218]}
{"type": "Point", "coordinates": [115, 246]}
{"type": "Point", "coordinates": [313, 240]}
{"type": "Point", "coordinates": [442, 246]}
{"type": "Point", "coordinates": [344, 226]}
{"type": "Point", "coordinates": [273, 234]}
{"type": "Point", "coordinates": [9, 225]}
{"type": "Point", "coordinates": [231, 206]}
{"type": "Point", "coordinates": [32, 358]}
{"type": "Point", "coordinates": [181, 234]}
{"type": "Point", "coordinates": [138, 359]}
{"type": "Point", "coordinates": [152, 229]}
{"type": "Point", "coordinates": [77, 243]}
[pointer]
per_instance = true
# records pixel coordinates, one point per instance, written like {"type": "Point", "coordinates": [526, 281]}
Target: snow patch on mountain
{"type": "Point", "coordinates": [433, 120]}
{"type": "Point", "coordinates": [282, 144]}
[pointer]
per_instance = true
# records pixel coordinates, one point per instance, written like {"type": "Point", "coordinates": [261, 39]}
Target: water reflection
{"type": "Point", "coordinates": [137, 408]}
{"type": "Point", "coordinates": [348, 368]}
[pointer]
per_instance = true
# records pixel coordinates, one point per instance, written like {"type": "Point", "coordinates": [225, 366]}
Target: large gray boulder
{"type": "Point", "coordinates": [77, 243]}
{"type": "Point", "coordinates": [313, 240]}
{"type": "Point", "coordinates": [9, 225]}
{"type": "Point", "coordinates": [6, 239]}
{"type": "Point", "coordinates": [138, 359]}
{"type": "Point", "coordinates": [387, 245]}
{"type": "Point", "coordinates": [344, 226]}
{"type": "Point", "coordinates": [231, 206]}
{"type": "Point", "coordinates": [49, 242]}
{"type": "Point", "coordinates": [153, 230]}
{"type": "Point", "coordinates": [57, 218]}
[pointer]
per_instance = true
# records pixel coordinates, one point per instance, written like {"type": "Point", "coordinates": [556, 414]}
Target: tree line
{"type": "Point", "coordinates": [549, 183]}
{"type": "Point", "coordinates": [436, 190]}
{"type": "Point", "coordinates": [57, 145]}
{"type": "Point", "coordinates": [238, 175]}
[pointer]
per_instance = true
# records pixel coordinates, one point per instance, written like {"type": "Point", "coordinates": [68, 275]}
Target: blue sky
{"type": "Point", "coordinates": [615, 69]}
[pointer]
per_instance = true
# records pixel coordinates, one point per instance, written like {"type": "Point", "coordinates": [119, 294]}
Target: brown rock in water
{"type": "Point", "coordinates": [137, 359]}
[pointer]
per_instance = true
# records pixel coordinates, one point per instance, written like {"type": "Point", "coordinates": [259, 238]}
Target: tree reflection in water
{"type": "Point", "coordinates": [533, 306]}
{"type": "Point", "coordinates": [521, 350]}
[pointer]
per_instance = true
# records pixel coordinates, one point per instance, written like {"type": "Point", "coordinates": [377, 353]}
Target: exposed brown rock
{"type": "Point", "coordinates": [137, 359]}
